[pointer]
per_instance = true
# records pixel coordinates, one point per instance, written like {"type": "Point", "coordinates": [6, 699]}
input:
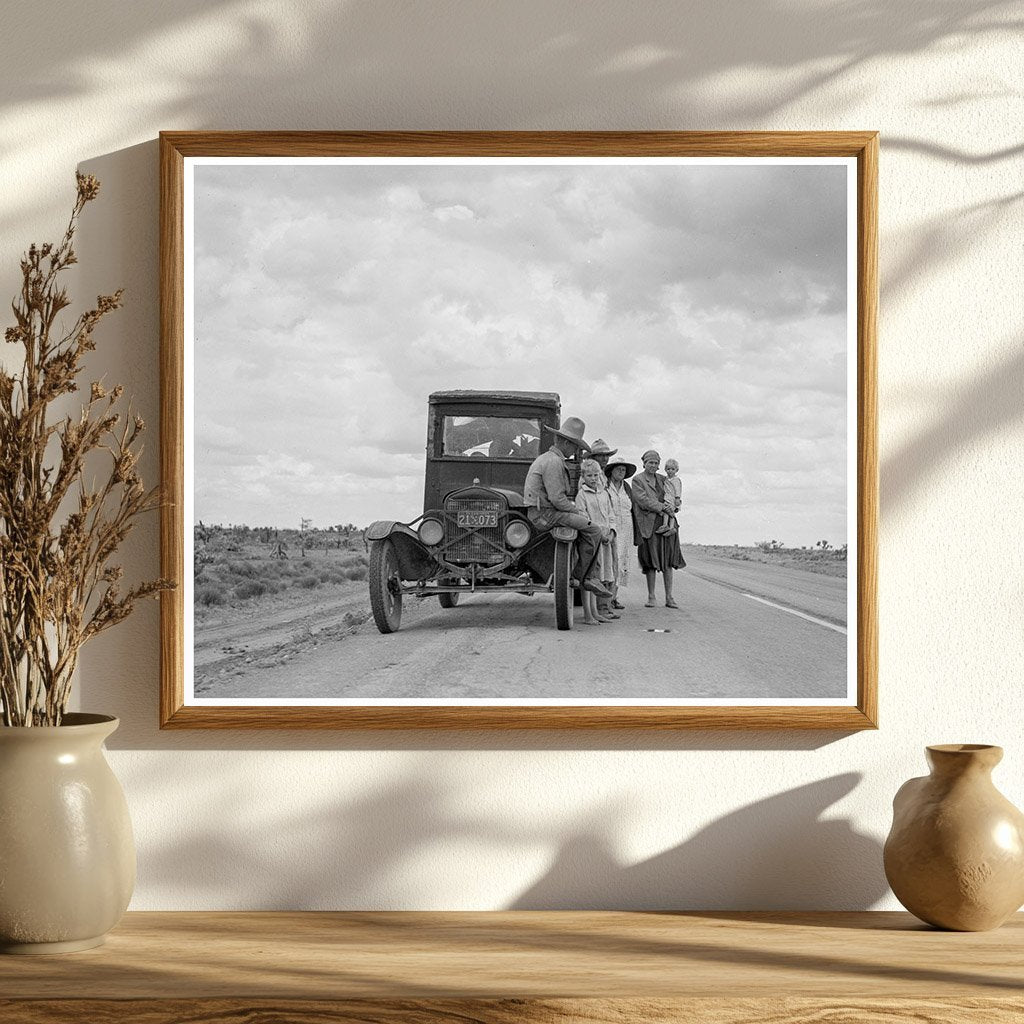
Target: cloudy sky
{"type": "Point", "coordinates": [699, 309]}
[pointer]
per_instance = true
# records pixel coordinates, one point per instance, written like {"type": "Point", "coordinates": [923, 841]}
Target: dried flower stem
{"type": "Point", "coordinates": [57, 586]}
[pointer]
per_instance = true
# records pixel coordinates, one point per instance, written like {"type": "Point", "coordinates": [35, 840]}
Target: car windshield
{"type": "Point", "coordinates": [493, 437]}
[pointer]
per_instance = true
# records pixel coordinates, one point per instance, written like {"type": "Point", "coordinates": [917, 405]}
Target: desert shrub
{"type": "Point", "coordinates": [210, 595]}
{"type": "Point", "coordinates": [355, 572]}
{"type": "Point", "coordinates": [307, 581]}
{"type": "Point", "coordinates": [251, 588]}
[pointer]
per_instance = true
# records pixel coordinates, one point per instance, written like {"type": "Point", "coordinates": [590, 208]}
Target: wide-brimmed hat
{"type": "Point", "coordinates": [572, 430]}
{"type": "Point", "coordinates": [600, 447]}
{"type": "Point", "coordinates": [612, 463]}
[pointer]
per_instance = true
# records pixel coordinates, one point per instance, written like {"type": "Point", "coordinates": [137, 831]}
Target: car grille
{"type": "Point", "coordinates": [473, 547]}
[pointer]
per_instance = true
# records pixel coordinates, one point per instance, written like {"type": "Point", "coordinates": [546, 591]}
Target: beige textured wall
{"type": "Point", "coordinates": [749, 820]}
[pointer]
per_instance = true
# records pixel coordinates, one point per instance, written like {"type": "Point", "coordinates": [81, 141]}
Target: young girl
{"type": "Point", "coordinates": [593, 501]}
{"type": "Point", "coordinates": [673, 493]}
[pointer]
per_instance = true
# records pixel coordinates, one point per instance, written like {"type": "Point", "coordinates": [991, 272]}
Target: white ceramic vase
{"type": "Point", "coordinates": [67, 854]}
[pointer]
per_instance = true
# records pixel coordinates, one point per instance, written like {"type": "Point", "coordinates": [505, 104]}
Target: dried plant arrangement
{"type": "Point", "coordinates": [58, 532]}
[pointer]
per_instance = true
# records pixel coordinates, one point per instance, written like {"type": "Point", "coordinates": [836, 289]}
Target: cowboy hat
{"type": "Point", "coordinates": [600, 447]}
{"type": "Point", "coordinates": [572, 430]}
{"type": "Point", "coordinates": [612, 463]}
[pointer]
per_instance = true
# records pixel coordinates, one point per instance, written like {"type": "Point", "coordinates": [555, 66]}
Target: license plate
{"type": "Point", "coordinates": [476, 520]}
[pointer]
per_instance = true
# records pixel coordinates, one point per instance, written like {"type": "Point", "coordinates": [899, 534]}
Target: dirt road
{"type": "Point", "coordinates": [743, 630]}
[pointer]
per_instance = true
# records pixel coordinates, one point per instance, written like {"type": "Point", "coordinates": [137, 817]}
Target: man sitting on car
{"type": "Point", "coordinates": [546, 493]}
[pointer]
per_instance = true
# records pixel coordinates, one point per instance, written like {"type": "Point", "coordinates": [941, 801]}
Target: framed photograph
{"type": "Point", "coordinates": [519, 430]}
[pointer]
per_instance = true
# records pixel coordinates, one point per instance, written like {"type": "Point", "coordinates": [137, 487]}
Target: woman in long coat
{"type": "Point", "coordinates": [657, 552]}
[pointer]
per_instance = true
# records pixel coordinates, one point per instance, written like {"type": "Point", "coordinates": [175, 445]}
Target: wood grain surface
{"type": "Point", "coordinates": [524, 966]}
{"type": "Point", "coordinates": [408, 717]}
{"type": "Point", "coordinates": [175, 147]}
{"type": "Point", "coordinates": [172, 419]}
{"type": "Point", "coordinates": [643, 144]}
{"type": "Point", "coordinates": [867, 430]}
{"type": "Point", "coordinates": [515, 1011]}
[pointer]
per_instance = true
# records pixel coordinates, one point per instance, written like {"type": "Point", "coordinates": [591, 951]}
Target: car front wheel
{"type": "Point", "coordinates": [385, 583]}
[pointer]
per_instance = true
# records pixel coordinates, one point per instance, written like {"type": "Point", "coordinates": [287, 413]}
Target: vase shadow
{"type": "Point", "coordinates": [776, 854]}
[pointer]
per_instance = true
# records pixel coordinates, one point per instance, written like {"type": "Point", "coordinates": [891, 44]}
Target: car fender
{"type": "Point", "coordinates": [384, 528]}
{"type": "Point", "coordinates": [415, 562]}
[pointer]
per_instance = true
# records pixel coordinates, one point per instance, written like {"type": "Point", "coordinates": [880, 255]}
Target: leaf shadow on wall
{"type": "Point", "coordinates": [214, 64]}
{"type": "Point", "coordinates": [778, 853]}
{"type": "Point", "coordinates": [312, 62]}
{"type": "Point", "coordinates": [969, 415]}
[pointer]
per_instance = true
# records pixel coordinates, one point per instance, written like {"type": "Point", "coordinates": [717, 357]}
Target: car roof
{"type": "Point", "coordinates": [546, 398]}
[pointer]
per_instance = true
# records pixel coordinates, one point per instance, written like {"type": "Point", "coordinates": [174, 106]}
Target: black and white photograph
{"type": "Point", "coordinates": [520, 431]}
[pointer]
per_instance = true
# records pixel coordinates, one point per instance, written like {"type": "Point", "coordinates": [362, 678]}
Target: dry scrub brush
{"type": "Point", "coordinates": [58, 587]}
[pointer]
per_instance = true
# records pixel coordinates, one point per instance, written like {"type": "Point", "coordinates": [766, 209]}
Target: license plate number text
{"type": "Point", "coordinates": [476, 520]}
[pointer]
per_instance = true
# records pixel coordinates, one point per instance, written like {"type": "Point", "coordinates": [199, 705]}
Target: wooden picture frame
{"type": "Point", "coordinates": [182, 151]}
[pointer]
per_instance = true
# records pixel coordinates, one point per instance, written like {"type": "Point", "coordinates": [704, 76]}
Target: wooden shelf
{"type": "Point", "coordinates": [500, 968]}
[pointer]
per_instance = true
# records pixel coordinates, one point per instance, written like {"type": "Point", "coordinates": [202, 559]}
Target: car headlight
{"type": "Point", "coordinates": [431, 532]}
{"type": "Point", "coordinates": [517, 534]}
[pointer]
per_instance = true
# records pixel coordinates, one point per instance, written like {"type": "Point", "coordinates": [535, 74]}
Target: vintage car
{"type": "Point", "coordinates": [474, 536]}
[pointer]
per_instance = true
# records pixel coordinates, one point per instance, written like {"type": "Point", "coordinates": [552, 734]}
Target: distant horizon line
{"type": "Point", "coordinates": [782, 545]}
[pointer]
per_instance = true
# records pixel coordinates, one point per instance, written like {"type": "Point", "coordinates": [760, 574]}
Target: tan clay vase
{"type": "Point", "coordinates": [955, 855]}
{"type": "Point", "coordinates": [67, 856]}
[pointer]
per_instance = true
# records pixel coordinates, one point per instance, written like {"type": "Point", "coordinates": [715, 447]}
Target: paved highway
{"type": "Point", "coordinates": [743, 630]}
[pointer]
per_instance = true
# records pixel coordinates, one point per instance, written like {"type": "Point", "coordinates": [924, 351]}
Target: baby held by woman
{"type": "Point", "coordinates": [674, 494]}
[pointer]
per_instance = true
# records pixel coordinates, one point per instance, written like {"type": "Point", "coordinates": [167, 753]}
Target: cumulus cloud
{"type": "Point", "coordinates": [698, 308]}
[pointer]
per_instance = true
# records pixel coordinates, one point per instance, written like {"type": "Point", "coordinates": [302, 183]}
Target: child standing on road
{"type": "Point", "coordinates": [593, 501]}
{"type": "Point", "coordinates": [673, 493]}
